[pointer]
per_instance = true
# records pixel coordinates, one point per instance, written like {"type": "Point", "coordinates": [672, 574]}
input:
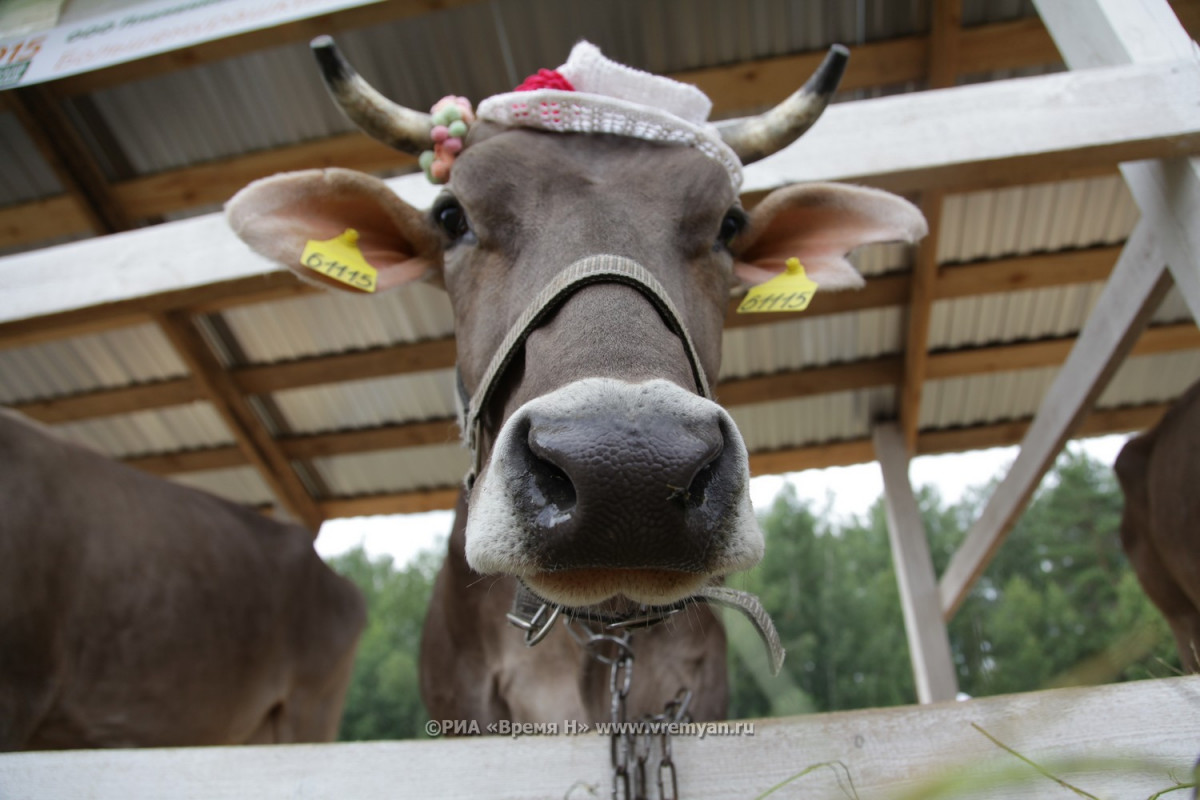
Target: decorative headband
{"type": "Point", "coordinates": [588, 94]}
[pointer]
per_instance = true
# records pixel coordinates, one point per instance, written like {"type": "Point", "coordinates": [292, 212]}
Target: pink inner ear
{"type": "Point", "coordinates": [278, 216]}
{"type": "Point", "coordinates": [820, 224]}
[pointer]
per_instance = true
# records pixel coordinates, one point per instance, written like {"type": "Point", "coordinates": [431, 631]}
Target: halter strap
{"type": "Point", "coordinates": [584, 272]}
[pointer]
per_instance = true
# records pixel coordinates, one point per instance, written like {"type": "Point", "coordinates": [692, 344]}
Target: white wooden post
{"type": "Point", "coordinates": [1137, 285]}
{"type": "Point", "coordinates": [928, 642]}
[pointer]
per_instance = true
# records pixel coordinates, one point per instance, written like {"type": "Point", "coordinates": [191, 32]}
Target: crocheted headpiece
{"type": "Point", "coordinates": [608, 97]}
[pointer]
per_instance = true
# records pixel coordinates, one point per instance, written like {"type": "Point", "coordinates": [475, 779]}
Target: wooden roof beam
{"type": "Point", "coordinates": [944, 36]}
{"type": "Point", "coordinates": [56, 138]}
{"type": "Point", "coordinates": [251, 436]}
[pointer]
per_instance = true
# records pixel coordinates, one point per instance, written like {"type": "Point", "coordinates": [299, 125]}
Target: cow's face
{"type": "Point", "coordinates": [603, 470]}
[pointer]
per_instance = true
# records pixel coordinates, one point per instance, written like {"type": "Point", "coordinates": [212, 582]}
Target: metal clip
{"type": "Point", "coordinates": [532, 615]}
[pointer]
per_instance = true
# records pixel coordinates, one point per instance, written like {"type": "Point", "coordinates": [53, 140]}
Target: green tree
{"type": "Point", "coordinates": [1059, 605]}
{"type": "Point", "coordinates": [384, 700]}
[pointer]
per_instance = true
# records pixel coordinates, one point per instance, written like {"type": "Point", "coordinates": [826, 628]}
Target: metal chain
{"type": "Point", "coordinates": [610, 642]}
{"type": "Point", "coordinates": [620, 678]}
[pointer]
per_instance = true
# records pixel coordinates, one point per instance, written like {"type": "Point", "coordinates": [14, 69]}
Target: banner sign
{"type": "Point", "coordinates": [144, 30]}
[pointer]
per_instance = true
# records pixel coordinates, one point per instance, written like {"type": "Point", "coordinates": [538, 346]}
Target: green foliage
{"type": "Point", "coordinates": [384, 700]}
{"type": "Point", "coordinates": [1059, 605]}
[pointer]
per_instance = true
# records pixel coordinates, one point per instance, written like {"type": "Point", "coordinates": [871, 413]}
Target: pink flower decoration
{"type": "Point", "coordinates": [545, 79]}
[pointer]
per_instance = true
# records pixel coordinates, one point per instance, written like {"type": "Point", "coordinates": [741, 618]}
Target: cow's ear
{"type": "Point", "coordinates": [280, 215]}
{"type": "Point", "coordinates": [820, 223]}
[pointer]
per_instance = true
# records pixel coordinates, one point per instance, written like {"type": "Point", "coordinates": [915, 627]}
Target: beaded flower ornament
{"type": "Point", "coordinates": [452, 118]}
{"type": "Point", "coordinates": [587, 94]}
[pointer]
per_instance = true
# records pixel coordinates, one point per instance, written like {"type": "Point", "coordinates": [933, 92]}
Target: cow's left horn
{"type": "Point", "coordinates": [378, 117]}
{"type": "Point", "coordinates": [754, 138]}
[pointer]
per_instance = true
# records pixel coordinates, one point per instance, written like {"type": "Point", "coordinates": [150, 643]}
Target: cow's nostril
{"type": "Point", "coordinates": [551, 492]}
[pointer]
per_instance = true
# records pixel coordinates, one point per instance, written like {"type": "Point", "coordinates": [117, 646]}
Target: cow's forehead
{"type": "Point", "coordinates": [520, 159]}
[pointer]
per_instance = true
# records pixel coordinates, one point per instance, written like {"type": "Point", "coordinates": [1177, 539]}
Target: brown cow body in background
{"type": "Point", "coordinates": [1159, 472]}
{"type": "Point", "coordinates": [138, 612]}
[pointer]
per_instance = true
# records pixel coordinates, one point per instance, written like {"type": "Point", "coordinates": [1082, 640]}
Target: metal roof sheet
{"type": "Point", "coordinates": [106, 360]}
{"type": "Point", "coordinates": [431, 467]}
{"type": "Point", "coordinates": [369, 403]}
{"type": "Point", "coordinates": [335, 323]}
{"type": "Point", "coordinates": [239, 484]}
{"type": "Point", "coordinates": [184, 427]}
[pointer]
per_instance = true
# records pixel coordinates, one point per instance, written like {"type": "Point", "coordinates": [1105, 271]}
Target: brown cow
{"type": "Point", "coordinates": [138, 612]}
{"type": "Point", "coordinates": [1159, 472]}
{"type": "Point", "coordinates": [589, 237]}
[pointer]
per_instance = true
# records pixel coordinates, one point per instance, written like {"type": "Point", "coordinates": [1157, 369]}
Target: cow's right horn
{"type": "Point", "coordinates": [378, 117]}
{"type": "Point", "coordinates": [755, 138]}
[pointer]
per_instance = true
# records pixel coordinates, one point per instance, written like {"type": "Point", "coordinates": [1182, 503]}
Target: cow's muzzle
{"type": "Point", "coordinates": [605, 488]}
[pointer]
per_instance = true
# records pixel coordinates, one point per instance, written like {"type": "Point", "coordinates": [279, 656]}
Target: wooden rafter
{"type": "Point", "coordinates": [253, 439]}
{"type": "Point", "coordinates": [920, 311]}
{"type": "Point", "coordinates": [944, 38]}
{"type": "Point", "coordinates": [55, 137]}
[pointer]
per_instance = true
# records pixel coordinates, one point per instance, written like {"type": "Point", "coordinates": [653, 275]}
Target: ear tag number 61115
{"type": "Point", "coordinates": [339, 258]}
{"type": "Point", "coordinates": [791, 290]}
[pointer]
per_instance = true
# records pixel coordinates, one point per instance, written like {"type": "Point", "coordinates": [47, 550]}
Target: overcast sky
{"type": "Point", "coordinates": [841, 491]}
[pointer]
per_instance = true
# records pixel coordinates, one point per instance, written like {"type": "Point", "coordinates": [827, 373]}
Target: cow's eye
{"type": "Point", "coordinates": [452, 219]}
{"type": "Point", "coordinates": [733, 223]}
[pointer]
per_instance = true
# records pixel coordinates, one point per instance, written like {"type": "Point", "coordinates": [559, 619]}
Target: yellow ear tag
{"type": "Point", "coordinates": [339, 258]}
{"type": "Point", "coordinates": [791, 290]}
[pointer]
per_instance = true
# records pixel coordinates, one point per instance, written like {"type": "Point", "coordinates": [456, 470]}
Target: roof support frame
{"type": "Point", "coordinates": [1095, 34]}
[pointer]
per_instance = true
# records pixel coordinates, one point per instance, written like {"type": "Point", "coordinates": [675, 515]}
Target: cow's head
{"type": "Point", "coordinates": [603, 467]}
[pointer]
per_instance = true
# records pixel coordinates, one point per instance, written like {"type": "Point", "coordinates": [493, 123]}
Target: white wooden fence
{"type": "Point", "coordinates": [1119, 742]}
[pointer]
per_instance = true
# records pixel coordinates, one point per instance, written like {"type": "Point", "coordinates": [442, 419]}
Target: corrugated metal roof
{"type": "Point", "coordinates": [107, 360]}
{"type": "Point", "coordinates": [1004, 396]}
{"type": "Point", "coordinates": [369, 403]}
{"type": "Point", "coordinates": [1011, 316]}
{"type": "Point", "coordinates": [1028, 219]}
{"type": "Point", "coordinates": [799, 343]}
{"type": "Point", "coordinates": [824, 418]}
{"type": "Point", "coordinates": [431, 467]}
{"type": "Point", "coordinates": [184, 427]}
{"type": "Point", "coordinates": [335, 323]}
{"type": "Point", "coordinates": [24, 174]}
{"type": "Point", "coordinates": [239, 484]}
{"type": "Point", "coordinates": [275, 97]}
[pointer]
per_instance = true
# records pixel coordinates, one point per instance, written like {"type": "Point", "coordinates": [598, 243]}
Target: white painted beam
{"type": "Point", "coordinates": [942, 137]}
{"type": "Point", "coordinates": [928, 642]}
{"type": "Point", "coordinates": [1136, 287]}
{"type": "Point", "coordinates": [981, 134]}
{"type": "Point", "coordinates": [1128, 740]}
{"type": "Point", "coordinates": [1107, 33]}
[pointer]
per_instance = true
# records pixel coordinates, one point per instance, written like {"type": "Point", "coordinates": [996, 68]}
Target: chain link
{"type": "Point", "coordinates": [620, 679]}
{"type": "Point", "coordinates": [630, 745]}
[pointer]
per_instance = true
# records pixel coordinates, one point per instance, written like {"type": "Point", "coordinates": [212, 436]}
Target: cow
{"type": "Point", "coordinates": [136, 612]}
{"type": "Point", "coordinates": [1159, 472]}
{"type": "Point", "coordinates": [589, 237]}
